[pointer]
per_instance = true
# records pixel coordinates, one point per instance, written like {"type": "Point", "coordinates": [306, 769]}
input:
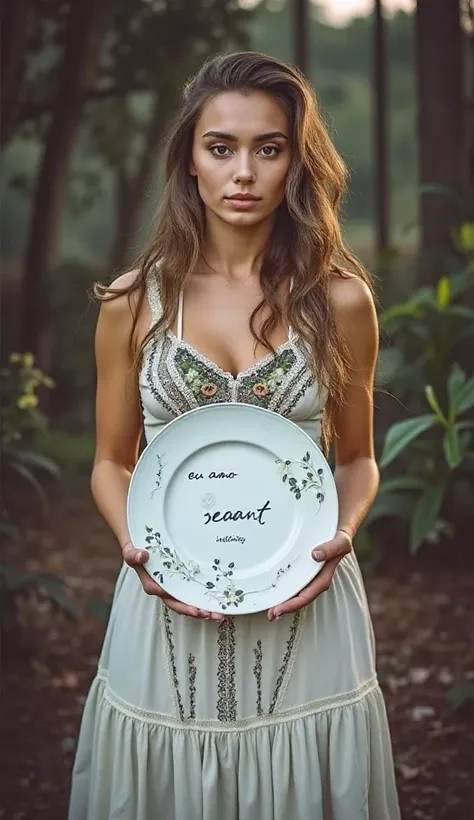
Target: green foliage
{"type": "Point", "coordinates": [22, 420]}
{"type": "Point", "coordinates": [25, 468]}
{"type": "Point", "coordinates": [434, 449]}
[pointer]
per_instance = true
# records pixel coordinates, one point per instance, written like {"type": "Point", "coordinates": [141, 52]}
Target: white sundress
{"type": "Point", "coordinates": [242, 719]}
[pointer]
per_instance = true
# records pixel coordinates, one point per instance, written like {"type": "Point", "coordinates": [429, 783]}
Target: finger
{"type": "Point", "coordinates": [149, 585]}
{"type": "Point", "coordinates": [132, 556]}
{"type": "Point", "coordinates": [217, 616]}
{"type": "Point", "coordinates": [320, 584]}
{"type": "Point", "coordinates": [180, 608]}
{"type": "Point", "coordinates": [338, 547]}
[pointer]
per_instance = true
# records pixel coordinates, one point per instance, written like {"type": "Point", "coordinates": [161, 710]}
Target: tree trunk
{"type": "Point", "coordinates": [131, 189]}
{"type": "Point", "coordinates": [301, 24]}
{"type": "Point", "coordinates": [380, 132]}
{"type": "Point", "coordinates": [12, 63]}
{"type": "Point", "coordinates": [80, 53]}
{"type": "Point", "coordinates": [441, 129]}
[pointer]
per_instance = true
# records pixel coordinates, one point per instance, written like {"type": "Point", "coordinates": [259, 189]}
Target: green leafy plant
{"type": "Point", "coordinates": [430, 333]}
{"type": "Point", "coordinates": [21, 422]}
{"type": "Point", "coordinates": [419, 495]}
{"type": "Point", "coordinates": [23, 467]}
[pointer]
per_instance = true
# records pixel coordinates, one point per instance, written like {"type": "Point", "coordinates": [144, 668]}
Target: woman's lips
{"type": "Point", "coordinates": [242, 203]}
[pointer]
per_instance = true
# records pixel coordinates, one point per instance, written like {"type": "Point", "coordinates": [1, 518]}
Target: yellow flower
{"type": "Point", "coordinates": [24, 402]}
{"type": "Point", "coordinates": [28, 360]}
{"type": "Point", "coordinates": [14, 358]}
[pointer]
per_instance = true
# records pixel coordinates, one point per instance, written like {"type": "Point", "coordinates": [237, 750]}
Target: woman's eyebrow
{"type": "Point", "coordinates": [223, 135]}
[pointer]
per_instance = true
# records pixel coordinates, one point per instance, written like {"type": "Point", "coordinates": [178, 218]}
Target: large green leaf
{"type": "Point", "coordinates": [466, 397]}
{"type": "Point", "coordinates": [402, 433]}
{"type": "Point", "coordinates": [456, 382]}
{"type": "Point", "coordinates": [452, 447]}
{"type": "Point", "coordinates": [39, 461]}
{"type": "Point", "coordinates": [57, 592]}
{"type": "Point", "coordinates": [460, 312]}
{"type": "Point", "coordinates": [413, 308]}
{"type": "Point", "coordinates": [389, 505]}
{"type": "Point", "coordinates": [425, 514]}
{"type": "Point", "coordinates": [401, 484]}
{"type": "Point", "coordinates": [25, 473]}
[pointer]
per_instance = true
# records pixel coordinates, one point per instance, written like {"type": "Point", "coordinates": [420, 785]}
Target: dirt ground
{"type": "Point", "coordinates": [423, 619]}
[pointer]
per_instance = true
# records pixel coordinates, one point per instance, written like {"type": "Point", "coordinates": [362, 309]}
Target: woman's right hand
{"type": "Point", "coordinates": [135, 559]}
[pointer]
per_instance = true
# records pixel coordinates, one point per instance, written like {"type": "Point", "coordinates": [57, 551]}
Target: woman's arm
{"type": "Point", "coordinates": [356, 474]}
{"type": "Point", "coordinates": [118, 421]}
{"type": "Point", "coordinates": [118, 429]}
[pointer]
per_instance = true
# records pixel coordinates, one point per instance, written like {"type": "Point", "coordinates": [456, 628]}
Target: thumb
{"type": "Point", "coordinates": [134, 556]}
{"type": "Point", "coordinates": [338, 546]}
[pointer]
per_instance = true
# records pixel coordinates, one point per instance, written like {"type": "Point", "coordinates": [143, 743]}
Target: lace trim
{"type": "Point", "coordinates": [250, 371]}
{"type": "Point", "coordinates": [307, 710]}
{"type": "Point", "coordinates": [152, 289]}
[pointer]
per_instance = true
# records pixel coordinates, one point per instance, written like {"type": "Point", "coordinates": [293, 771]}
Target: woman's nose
{"type": "Point", "coordinates": [244, 173]}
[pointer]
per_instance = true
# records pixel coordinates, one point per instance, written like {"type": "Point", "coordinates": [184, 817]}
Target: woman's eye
{"type": "Point", "coordinates": [270, 150]}
{"type": "Point", "coordinates": [220, 150]}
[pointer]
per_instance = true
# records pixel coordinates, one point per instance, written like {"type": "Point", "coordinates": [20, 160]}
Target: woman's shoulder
{"type": "Point", "coordinates": [351, 298]}
{"type": "Point", "coordinates": [120, 296]}
{"type": "Point", "coordinates": [349, 290]}
{"type": "Point", "coordinates": [121, 309]}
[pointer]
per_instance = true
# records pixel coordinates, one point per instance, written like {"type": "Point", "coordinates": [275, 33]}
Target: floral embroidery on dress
{"type": "Point", "coordinates": [226, 689]}
{"type": "Point", "coordinates": [286, 660]}
{"type": "Point", "coordinates": [257, 671]}
{"type": "Point", "coordinates": [192, 672]}
{"type": "Point", "coordinates": [207, 387]}
{"type": "Point", "coordinates": [172, 660]}
{"type": "Point", "coordinates": [260, 385]}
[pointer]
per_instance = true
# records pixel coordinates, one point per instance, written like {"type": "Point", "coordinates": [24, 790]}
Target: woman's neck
{"type": "Point", "coordinates": [232, 251]}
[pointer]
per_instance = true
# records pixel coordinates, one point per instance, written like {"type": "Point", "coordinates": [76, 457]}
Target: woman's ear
{"type": "Point", "coordinates": [192, 169]}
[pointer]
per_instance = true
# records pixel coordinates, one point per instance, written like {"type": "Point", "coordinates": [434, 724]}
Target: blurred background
{"type": "Point", "coordinates": [89, 88]}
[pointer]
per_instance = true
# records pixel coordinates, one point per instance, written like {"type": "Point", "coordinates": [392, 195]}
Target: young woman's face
{"type": "Point", "coordinates": [241, 155]}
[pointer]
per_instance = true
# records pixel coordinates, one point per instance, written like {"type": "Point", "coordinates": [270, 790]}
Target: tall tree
{"type": "Point", "coordinates": [148, 46]}
{"type": "Point", "coordinates": [301, 25]}
{"type": "Point", "coordinates": [81, 49]}
{"type": "Point", "coordinates": [380, 130]}
{"type": "Point", "coordinates": [441, 128]}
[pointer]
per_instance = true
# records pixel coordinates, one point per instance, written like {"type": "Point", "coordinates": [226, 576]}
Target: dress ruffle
{"type": "Point", "coordinates": [331, 764]}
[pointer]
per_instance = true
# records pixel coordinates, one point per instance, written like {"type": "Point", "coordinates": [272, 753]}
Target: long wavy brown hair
{"type": "Point", "coordinates": [306, 243]}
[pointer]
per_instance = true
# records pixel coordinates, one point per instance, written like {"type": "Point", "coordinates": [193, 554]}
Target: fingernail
{"type": "Point", "coordinates": [318, 555]}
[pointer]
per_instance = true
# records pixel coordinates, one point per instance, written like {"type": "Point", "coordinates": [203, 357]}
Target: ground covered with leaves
{"type": "Point", "coordinates": [423, 618]}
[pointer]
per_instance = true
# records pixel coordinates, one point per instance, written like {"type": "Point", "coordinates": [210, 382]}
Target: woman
{"type": "Point", "coordinates": [278, 715]}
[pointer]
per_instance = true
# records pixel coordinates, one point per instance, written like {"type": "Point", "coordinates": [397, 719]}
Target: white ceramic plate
{"type": "Point", "coordinates": [229, 500]}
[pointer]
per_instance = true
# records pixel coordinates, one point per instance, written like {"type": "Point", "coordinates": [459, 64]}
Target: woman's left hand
{"type": "Point", "coordinates": [331, 552]}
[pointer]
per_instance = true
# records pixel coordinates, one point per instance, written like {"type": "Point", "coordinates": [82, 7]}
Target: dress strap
{"type": "Point", "coordinates": [179, 326]}
{"type": "Point", "coordinates": [153, 295]}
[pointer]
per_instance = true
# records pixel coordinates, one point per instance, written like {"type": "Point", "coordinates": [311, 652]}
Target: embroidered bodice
{"type": "Point", "coordinates": [175, 378]}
